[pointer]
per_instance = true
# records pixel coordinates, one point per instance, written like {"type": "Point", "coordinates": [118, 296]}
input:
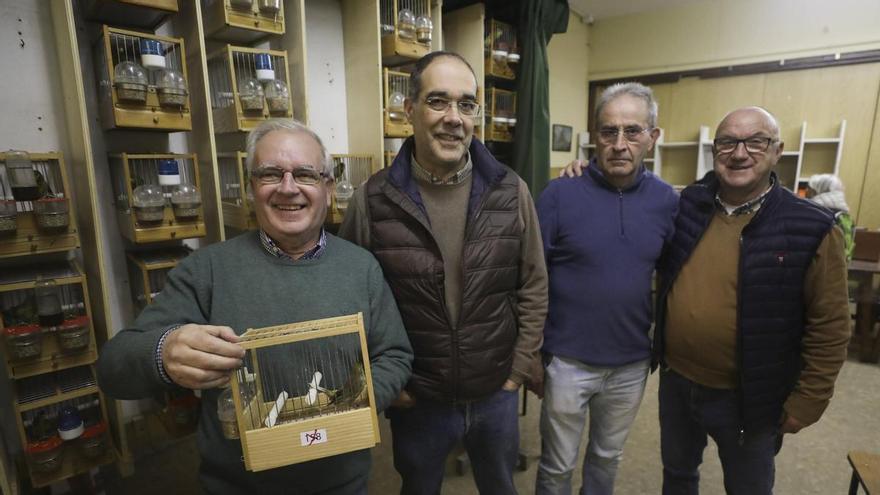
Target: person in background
{"type": "Point", "coordinates": [289, 270]}
{"type": "Point", "coordinates": [603, 233]}
{"type": "Point", "coordinates": [752, 314]}
{"type": "Point", "coordinates": [827, 190]}
{"type": "Point", "coordinates": [457, 236]}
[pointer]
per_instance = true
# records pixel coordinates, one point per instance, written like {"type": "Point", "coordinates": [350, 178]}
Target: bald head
{"type": "Point", "coordinates": [746, 148]}
{"type": "Point", "coordinates": [770, 124]}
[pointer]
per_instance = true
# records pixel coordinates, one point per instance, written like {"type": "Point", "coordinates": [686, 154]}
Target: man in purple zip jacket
{"type": "Point", "coordinates": [603, 233]}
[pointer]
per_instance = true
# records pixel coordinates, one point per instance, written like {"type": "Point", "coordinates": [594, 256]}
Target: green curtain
{"type": "Point", "coordinates": [538, 21]}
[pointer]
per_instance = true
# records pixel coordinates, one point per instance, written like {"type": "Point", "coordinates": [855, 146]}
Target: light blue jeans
{"type": "Point", "coordinates": [612, 397]}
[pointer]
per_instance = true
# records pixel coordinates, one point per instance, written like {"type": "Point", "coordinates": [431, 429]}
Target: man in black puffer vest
{"type": "Point", "coordinates": [457, 236]}
{"type": "Point", "coordinates": [752, 314]}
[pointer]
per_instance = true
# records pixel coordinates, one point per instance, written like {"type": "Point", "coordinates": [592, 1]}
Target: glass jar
{"type": "Point", "coordinates": [148, 203]}
{"type": "Point", "coordinates": [171, 89]}
{"type": "Point", "coordinates": [344, 189]}
{"type": "Point", "coordinates": [269, 6]}
{"type": "Point", "coordinates": [8, 217]}
{"type": "Point", "coordinates": [396, 110]}
{"type": "Point", "coordinates": [70, 425]}
{"type": "Point", "coordinates": [73, 334]}
{"type": "Point", "coordinates": [22, 176]}
{"type": "Point", "coordinates": [93, 441]}
{"type": "Point", "coordinates": [250, 95]}
{"type": "Point", "coordinates": [406, 24]}
{"type": "Point", "coordinates": [53, 214]}
{"type": "Point", "coordinates": [424, 29]}
{"type": "Point", "coordinates": [186, 202]}
{"type": "Point", "coordinates": [226, 414]}
{"type": "Point", "coordinates": [48, 302]}
{"type": "Point", "coordinates": [45, 456]}
{"type": "Point", "coordinates": [152, 54]}
{"type": "Point", "coordinates": [24, 341]}
{"type": "Point", "coordinates": [130, 81]}
{"type": "Point", "coordinates": [264, 67]}
{"type": "Point", "coordinates": [277, 96]}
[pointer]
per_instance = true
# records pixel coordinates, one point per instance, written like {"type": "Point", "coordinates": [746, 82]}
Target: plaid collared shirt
{"type": "Point", "coordinates": [420, 173]}
{"type": "Point", "coordinates": [744, 209]}
{"type": "Point", "coordinates": [311, 254]}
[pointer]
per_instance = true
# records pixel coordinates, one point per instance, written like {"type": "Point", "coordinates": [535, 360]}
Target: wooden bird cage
{"type": "Point", "coordinates": [144, 14]}
{"type": "Point", "coordinates": [45, 319]}
{"type": "Point", "coordinates": [147, 271]}
{"type": "Point", "coordinates": [142, 81]}
{"type": "Point", "coordinates": [243, 21]}
{"type": "Point", "coordinates": [38, 401]}
{"type": "Point", "coordinates": [358, 166]}
{"type": "Point", "coordinates": [236, 196]}
{"type": "Point", "coordinates": [37, 214]}
{"type": "Point", "coordinates": [389, 158]}
{"type": "Point", "coordinates": [396, 85]}
{"type": "Point", "coordinates": [248, 86]}
{"type": "Point", "coordinates": [501, 53]}
{"type": "Point", "coordinates": [310, 393]}
{"type": "Point", "coordinates": [405, 35]}
{"type": "Point", "coordinates": [501, 115]}
{"type": "Point", "coordinates": [138, 182]}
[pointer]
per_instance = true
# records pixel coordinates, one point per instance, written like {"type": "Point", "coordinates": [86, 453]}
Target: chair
{"type": "Point", "coordinates": [866, 472]}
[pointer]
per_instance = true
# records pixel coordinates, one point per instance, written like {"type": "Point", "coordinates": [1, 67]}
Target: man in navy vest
{"type": "Point", "coordinates": [752, 314]}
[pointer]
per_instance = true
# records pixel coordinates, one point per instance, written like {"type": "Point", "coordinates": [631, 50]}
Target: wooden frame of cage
{"type": "Point", "coordinates": [493, 131]}
{"type": "Point", "coordinates": [51, 357]}
{"type": "Point", "coordinates": [170, 228]}
{"type": "Point", "coordinates": [397, 50]}
{"type": "Point", "coordinates": [280, 445]}
{"type": "Point", "coordinates": [146, 14]}
{"type": "Point", "coordinates": [233, 118]}
{"type": "Point", "coordinates": [393, 129]}
{"type": "Point", "coordinates": [71, 462]}
{"type": "Point", "coordinates": [240, 217]}
{"type": "Point", "coordinates": [141, 262]}
{"type": "Point", "coordinates": [389, 158]}
{"type": "Point", "coordinates": [148, 116]}
{"type": "Point", "coordinates": [493, 67]}
{"type": "Point", "coordinates": [28, 238]}
{"type": "Point", "coordinates": [224, 22]}
{"type": "Point", "coordinates": [334, 214]}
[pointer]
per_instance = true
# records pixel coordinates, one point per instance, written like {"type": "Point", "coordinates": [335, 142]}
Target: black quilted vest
{"type": "Point", "coordinates": [471, 358]}
{"type": "Point", "coordinates": [776, 249]}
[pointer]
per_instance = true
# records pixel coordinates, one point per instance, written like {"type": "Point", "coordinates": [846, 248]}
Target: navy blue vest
{"type": "Point", "coordinates": [776, 249]}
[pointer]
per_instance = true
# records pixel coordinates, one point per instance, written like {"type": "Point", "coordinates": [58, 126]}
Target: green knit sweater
{"type": "Point", "coordinates": [238, 284]}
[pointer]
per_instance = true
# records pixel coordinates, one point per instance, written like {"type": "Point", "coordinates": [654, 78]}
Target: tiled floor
{"type": "Point", "coordinates": [811, 462]}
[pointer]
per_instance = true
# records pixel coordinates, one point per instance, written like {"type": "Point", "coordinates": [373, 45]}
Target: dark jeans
{"type": "Point", "coordinates": [424, 435]}
{"type": "Point", "coordinates": [689, 412]}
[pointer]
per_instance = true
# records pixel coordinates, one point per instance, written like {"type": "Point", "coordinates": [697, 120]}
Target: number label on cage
{"type": "Point", "coordinates": [308, 438]}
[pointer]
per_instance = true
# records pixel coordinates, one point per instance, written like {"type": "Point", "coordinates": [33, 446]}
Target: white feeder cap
{"type": "Point", "coordinates": [153, 61]}
{"type": "Point", "coordinates": [71, 434]}
{"type": "Point", "coordinates": [266, 74]}
{"type": "Point", "coordinates": [513, 57]}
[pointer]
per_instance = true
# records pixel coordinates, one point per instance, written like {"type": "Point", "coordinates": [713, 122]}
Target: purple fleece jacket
{"type": "Point", "coordinates": [601, 246]}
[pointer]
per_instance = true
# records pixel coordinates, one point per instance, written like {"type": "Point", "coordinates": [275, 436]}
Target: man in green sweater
{"type": "Point", "coordinates": [290, 270]}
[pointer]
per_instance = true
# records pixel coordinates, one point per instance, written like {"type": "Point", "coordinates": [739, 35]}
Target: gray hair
{"type": "Point", "coordinates": [292, 126]}
{"type": "Point", "coordinates": [634, 89]}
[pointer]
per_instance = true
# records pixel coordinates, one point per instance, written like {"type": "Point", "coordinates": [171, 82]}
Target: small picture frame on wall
{"type": "Point", "coordinates": [561, 137]}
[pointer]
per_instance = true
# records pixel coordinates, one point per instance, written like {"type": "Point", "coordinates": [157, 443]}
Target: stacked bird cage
{"type": "Point", "coordinates": [243, 21]}
{"type": "Point", "coordinates": [236, 195]}
{"type": "Point", "coordinates": [305, 392]}
{"type": "Point", "coordinates": [406, 29]}
{"type": "Point", "coordinates": [396, 86]}
{"type": "Point", "coordinates": [501, 53]}
{"type": "Point", "coordinates": [501, 115]}
{"type": "Point", "coordinates": [147, 271]}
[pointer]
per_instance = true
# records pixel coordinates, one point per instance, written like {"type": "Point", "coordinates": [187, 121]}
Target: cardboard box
{"type": "Point", "coordinates": [867, 245]}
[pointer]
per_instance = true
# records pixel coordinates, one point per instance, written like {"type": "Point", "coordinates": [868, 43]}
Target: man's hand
{"type": "Point", "coordinates": [790, 424]}
{"type": "Point", "coordinates": [404, 400]}
{"type": "Point", "coordinates": [510, 386]}
{"type": "Point", "coordinates": [574, 169]}
{"type": "Point", "coordinates": [201, 356]}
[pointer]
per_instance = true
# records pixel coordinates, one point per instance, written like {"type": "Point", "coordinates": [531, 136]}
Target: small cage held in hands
{"type": "Point", "coordinates": [396, 86]}
{"type": "Point", "coordinates": [501, 51]}
{"type": "Point", "coordinates": [305, 392]}
{"type": "Point", "coordinates": [147, 271]}
{"type": "Point", "coordinates": [236, 196]}
{"type": "Point", "coordinates": [36, 211]}
{"type": "Point", "coordinates": [143, 82]}
{"type": "Point", "coordinates": [158, 196]}
{"type": "Point", "coordinates": [406, 29]}
{"type": "Point", "coordinates": [501, 118]}
{"type": "Point", "coordinates": [243, 21]}
{"type": "Point", "coordinates": [248, 86]}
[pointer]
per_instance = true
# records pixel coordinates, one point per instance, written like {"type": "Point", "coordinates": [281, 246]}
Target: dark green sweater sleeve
{"type": "Point", "coordinates": [127, 367]}
{"type": "Point", "coordinates": [390, 352]}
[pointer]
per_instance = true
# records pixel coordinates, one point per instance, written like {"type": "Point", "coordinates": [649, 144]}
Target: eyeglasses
{"type": "Point", "coordinates": [468, 108]}
{"type": "Point", "coordinates": [631, 133]}
{"type": "Point", "coordinates": [304, 176]}
{"type": "Point", "coordinates": [724, 146]}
